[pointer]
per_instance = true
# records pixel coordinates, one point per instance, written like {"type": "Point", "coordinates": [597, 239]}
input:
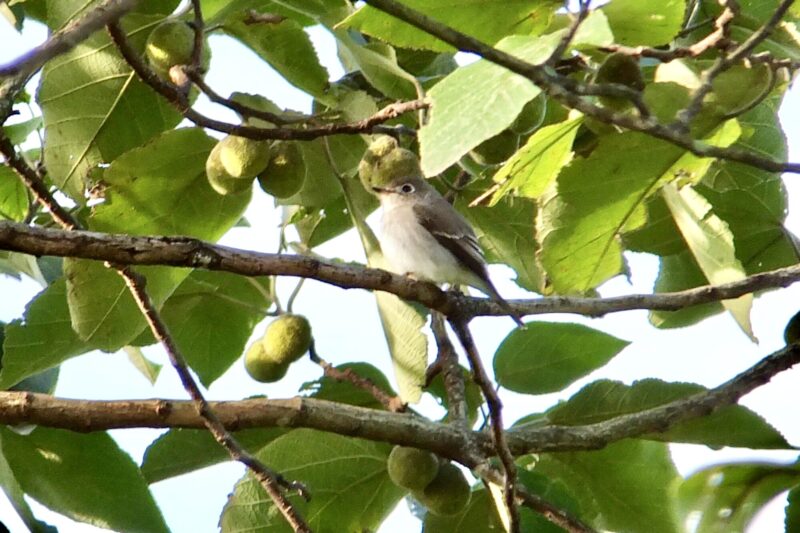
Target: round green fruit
{"type": "Point", "coordinates": [219, 178]}
{"type": "Point", "coordinates": [287, 338]}
{"type": "Point", "coordinates": [792, 332]}
{"type": "Point", "coordinates": [497, 149]}
{"type": "Point", "coordinates": [448, 494]}
{"type": "Point", "coordinates": [170, 43]}
{"type": "Point", "coordinates": [286, 171]}
{"type": "Point", "coordinates": [412, 468]}
{"type": "Point", "coordinates": [242, 157]}
{"type": "Point", "coordinates": [624, 70]}
{"type": "Point", "coordinates": [384, 161]}
{"type": "Point", "coordinates": [261, 366]}
{"type": "Point", "coordinates": [531, 116]}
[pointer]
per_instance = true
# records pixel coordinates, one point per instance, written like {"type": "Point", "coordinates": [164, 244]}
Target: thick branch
{"type": "Point", "coordinates": [193, 253]}
{"type": "Point", "coordinates": [404, 429]}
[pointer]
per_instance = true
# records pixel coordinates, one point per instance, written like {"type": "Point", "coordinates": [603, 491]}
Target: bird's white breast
{"type": "Point", "coordinates": [410, 249]}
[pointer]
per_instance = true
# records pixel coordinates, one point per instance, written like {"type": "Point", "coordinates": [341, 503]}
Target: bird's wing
{"type": "Point", "coordinates": [450, 230]}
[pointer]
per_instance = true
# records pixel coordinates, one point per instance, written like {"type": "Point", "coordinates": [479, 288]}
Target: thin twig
{"type": "Point", "coordinates": [553, 514]}
{"type": "Point", "coordinates": [566, 40]}
{"type": "Point", "coordinates": [391, 403]}
{"type": "Point", "coordinates": [199, 36]}
{"type": "Point", "coordinates": [452, 376]}
{"type": "Point", "coordinates": [180, 101]}
{"type": "Point", "coordinates": [271, 481]}
{"type": "Point", "coordinates": [483, 381]}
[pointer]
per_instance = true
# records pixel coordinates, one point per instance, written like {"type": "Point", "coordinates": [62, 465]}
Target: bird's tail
{"type": "Point", "coordinates": [491, 291]}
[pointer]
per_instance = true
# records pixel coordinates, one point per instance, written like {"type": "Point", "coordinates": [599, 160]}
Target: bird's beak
{"type": "Point", "coordinates": [380, 189]}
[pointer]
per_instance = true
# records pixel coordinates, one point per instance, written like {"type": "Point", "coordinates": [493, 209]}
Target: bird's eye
{"type": "Point", "coordinates": [407, 188]}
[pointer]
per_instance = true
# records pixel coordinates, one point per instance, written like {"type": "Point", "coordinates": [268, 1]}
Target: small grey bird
{"type": "Point", "coordinates": [422, 234]}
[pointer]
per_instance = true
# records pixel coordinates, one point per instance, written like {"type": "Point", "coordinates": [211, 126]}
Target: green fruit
{"type": "Point", "coordinates": [218, 177]}
{"type": "Point", "coordinates": [448, 494]}
{"type": "Point", "coordinates": [531, 116]}
{"type": "Point", "coordinates": [624, 70]}
{"type": "Point", "coordinates": [171, 43]}
{"type": "Point", "coordinates": [497, 149]}
{"type": "Point", "coordinates": [412, 468]}
{"type": "Point", "coordinates": [287, 338]}
{"type": "Point", "coordinates": [792, 332]}
{"type": "Point", "coordinates": [261, 366]}
{"type": "Point", "coordinates": [384, 162]}
{"type": "Point", "coordinates": [242, 157]}
{"type": "Point", "coordinates": [286, 171]}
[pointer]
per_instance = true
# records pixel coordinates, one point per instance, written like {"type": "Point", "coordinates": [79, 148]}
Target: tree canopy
{"type": "Point", "coordinates": [569, 137]}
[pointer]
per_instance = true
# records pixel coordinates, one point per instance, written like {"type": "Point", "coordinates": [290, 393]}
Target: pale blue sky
{"type": "Point", "coordinates": [346, 328]}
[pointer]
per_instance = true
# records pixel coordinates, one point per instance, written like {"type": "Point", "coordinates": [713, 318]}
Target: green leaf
{"type": "Point", "coordinates": [143, 184]}
{"type": "Point", "coordinates": [711, 244]}
{"type": "Point", "coordinates": [42, 340]}
{"type": "Point", "coordinates": [180, 451]}
{"type": "Point", "coordinates": [751, 201]}
{"type": "Point", "coordinates": [378, 64]}
{"type": "Point", "coordinates": [211, 315]}
{"type": "Point", "coordinates": [286, 47]}
{"type": "Point", "coordinates": [333, 390]}
{"type": "Point", "coordinates": [18, 133]}
{"type": "Point", "coordinates": [350, 487]}
{"type": "Point", "coordinates": [599, 197]}
{"type": "Point", "coordinates": [624, 486]}
{"type": "Point", "coordinates": [16, 497]}
{"type": "Point", "coordinates": [141, 188]}
{"type": "Point", "coordinates": [478, 101]}
{"type": "Point", "coordinates": [83, 476]}
{"type": "Point", "coordinates": [676, 273]}
{"type": "Point", "coordinates": [793, 510]}
{"type": "Point", "coordinates": [486, 20]}
{"type": "Point", "coordinates": [103, 312]}
{"type": "Point", "coordinates": [637, 23]}
{"type": "Point", "coordinates": [725, 498]}
{"type": "Point", "coordinates": [545, 357]}
{"type": "Point", "coordinates": [321, 186]}
{"type": "Point", "coordinates": [145, 366]}
{"type": "Point", "coordinates": [535, 166]}
{"type": "Point", "coordinates": [13, 196]}
{"type": "Point", "coordinates": [479, 516]}
{"type": "Point", "coordinates": [80, 136]}
{"type": "Point", "coordinates": [306, 12]}
{"type": "Point", "coordinates": [506, 234]}
{"type": "Point", "coordinates": [733, 425]}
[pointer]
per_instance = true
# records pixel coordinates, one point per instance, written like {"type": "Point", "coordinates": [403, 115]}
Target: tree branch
{"type": "Point", "coordinates": [180, 101]}
{"type": "Point", "coordinates": [403, 429]}
{"type": "Point", "coordinates": [19, 71]}
{"type": "Point", "coordinates": [483, 381]}
{"type": "Point", "coordinates": [193, 253]}
{"type": "Point", "coordinates": [272, 482]}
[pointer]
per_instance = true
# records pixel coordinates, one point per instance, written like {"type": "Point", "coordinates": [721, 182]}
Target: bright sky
{"type": "Point", "coordinates": [346, 328]}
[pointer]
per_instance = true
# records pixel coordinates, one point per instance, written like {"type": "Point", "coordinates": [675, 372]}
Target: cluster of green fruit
{"type": "Point", "coordinates": [438, 485]}
{"type": "Point", "coordinates": [287, 338]}
{"type": "Point", "coordinates": [235, 162]}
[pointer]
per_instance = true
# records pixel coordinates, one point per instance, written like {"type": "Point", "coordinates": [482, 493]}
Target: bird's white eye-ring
{"type": "Point", "coordinates": [407, 188]}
